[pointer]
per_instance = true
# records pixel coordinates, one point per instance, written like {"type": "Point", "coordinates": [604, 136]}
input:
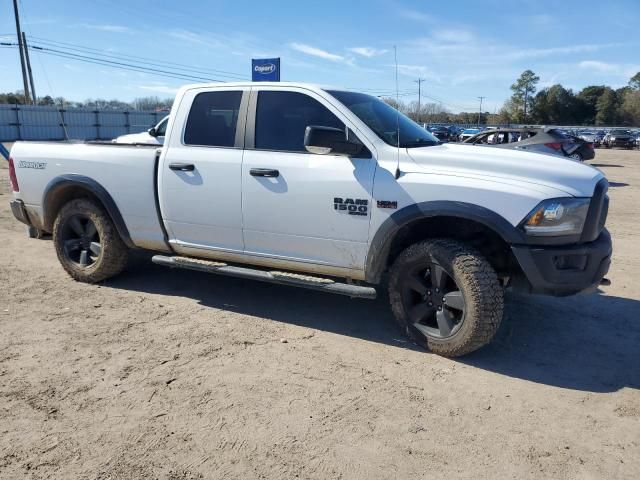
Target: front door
{"type": "Point", "coordinates": [298, 205]}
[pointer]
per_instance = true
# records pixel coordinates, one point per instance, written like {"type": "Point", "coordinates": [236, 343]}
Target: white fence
{"type": "Point", "coordinates": [29, 122]}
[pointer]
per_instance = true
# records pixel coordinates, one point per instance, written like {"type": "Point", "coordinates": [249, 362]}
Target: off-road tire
{"type": "Point", "coordinates": [475, 278]}
{"type": "Point", "coordinates": [114, 253]}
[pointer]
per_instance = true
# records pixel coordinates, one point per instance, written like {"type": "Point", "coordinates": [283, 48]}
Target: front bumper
{"type": "Point", "coordinates": [621, 143]}
{"type": "Point", "coordinates": [587, 152]}
{"type": "Point", "coordinates": [18, 210]}
{"type": "Point", "coordinates": [565, 270]}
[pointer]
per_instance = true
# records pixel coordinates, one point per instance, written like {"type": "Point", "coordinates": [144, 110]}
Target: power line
{"type": "Point", "coordinates": [123, 64]}
{"type": "Point", "coordinates": [139, 59]}
{"type": "Point", "coordinates": [133, 68]}
{"type": "Point", "coordinates": [115, 64]}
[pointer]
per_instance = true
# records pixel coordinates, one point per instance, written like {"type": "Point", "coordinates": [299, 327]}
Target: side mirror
{"type": "Point", "coordinates": [325, 140]}
{"type": "Point", "coordinates": [152, 132]}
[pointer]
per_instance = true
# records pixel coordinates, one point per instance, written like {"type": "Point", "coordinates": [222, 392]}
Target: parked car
{"type": "Point", "coordinates": [441, 132]}
{"type": "Point", "coordinates": [590, 136]}
{"type": "Point", "coordinates": [455, 133]}
{"type": "Point", "coordinates": [154, 136]}
{"type": "Point", "coordinates": [468, 133]}
{"type": "Point", "coordinates": [547, 140]}
{"type": "Point", "coordinates": [618, 138]}
{"type": "Point", "coordinates": [295, 184]}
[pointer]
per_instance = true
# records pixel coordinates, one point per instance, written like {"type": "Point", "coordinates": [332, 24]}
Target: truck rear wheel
{"type": "Point", "coordinates": [446, 296]}
{"type": "Point", "coordinates": [87, 242]}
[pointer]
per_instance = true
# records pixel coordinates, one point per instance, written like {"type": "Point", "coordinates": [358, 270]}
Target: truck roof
{"type": "Point", "coordinates": [310, 86]}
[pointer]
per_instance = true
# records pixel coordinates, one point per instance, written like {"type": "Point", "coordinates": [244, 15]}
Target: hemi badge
{"type": "Point", "coordinates": [387, 204]}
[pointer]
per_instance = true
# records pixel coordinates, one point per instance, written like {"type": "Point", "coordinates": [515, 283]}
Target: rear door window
{"type": "Point", "coordinates": [282, 118]}
{"type": "Point", "coordinates": [213, 119]}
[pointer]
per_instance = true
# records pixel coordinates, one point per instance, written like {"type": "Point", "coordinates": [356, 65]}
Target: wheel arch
{"type": "Point", "coordinates": [486, 230]}
{"type": "Point", "coordinates": [65, 188]}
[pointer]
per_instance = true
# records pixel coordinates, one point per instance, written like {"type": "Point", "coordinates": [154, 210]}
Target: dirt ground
{"type": "Point", "coordinates": [181, 375]}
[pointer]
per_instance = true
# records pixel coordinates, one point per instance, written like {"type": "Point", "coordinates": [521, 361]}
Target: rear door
{"type": "Point", "coordinates": [310, 208]}
{"type": "Point", "coordinates": [199, 179]}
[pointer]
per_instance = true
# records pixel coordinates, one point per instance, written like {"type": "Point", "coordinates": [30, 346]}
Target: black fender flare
{"type": "Point", "coordinates": [62, 182]}
{"type": "Point", "coordinates": [382, 240]}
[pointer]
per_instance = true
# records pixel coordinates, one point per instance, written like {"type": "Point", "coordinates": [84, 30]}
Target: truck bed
{"type": "Point", "coordinates": [127, 172]}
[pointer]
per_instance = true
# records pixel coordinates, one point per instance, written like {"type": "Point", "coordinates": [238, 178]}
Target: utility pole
{"type": "Point", "coordinates": [20, 47]}
{"type": "Point", "coordinates": [419, 82]}
{"type": "Point", "coordinates": [26, 56]}
{"type": "Point", "coordinates": [480, 110]}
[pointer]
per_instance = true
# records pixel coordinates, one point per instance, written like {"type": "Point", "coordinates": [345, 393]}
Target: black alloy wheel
{"type": "Point", "coordinates": [81, 241]}
{"type": "Point", "coordinates": [87, 242]}
{"type": "Point", "coordinates": [432, 299]}
{"type": "Point", "coordinates": [445, 296]}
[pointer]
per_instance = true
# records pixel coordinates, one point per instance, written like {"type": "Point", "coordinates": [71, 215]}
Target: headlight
{"type": "Point", "coordinates": [557, 217]}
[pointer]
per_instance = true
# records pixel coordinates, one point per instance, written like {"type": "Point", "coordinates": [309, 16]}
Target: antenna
{"type": "Point", "coordinates": [395, 57]}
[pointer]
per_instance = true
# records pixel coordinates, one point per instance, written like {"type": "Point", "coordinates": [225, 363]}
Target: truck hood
{"type": "Point", "coordinates": [573, 178]}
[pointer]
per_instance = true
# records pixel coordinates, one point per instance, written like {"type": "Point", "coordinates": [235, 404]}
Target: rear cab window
{"type": "Point", "coordinates": [213, 119]}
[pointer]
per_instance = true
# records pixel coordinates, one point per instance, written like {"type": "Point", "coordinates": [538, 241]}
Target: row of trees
{"type": "Point", "coordinates": [593, 105]}
{"type": "Point", "coordinates": [555, 105]}
{"type": "Point", "coordinates": [142, 103]}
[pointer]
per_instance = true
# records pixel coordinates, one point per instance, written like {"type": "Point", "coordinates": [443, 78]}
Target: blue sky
{"type": "Point", "coordinates": [463, 49]}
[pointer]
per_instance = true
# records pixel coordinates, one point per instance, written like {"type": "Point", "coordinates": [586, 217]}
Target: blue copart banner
{"type": "Point", "coordinates": [265, 69]}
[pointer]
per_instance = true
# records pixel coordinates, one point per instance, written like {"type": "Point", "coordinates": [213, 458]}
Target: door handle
{"type": "Point", "coordinates": [182, 167]}
{"type": "Point", "coordinates": [264, 172]}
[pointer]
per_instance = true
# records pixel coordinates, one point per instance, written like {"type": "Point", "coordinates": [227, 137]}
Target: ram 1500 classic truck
{"type": "Point", "coordinates": [326, 189]}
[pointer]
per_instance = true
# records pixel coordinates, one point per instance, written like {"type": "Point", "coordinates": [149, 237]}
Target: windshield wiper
{"type": "Point", "coordinates": [419, 143]}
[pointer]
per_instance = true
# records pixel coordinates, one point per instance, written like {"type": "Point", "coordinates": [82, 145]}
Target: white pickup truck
{"type": "Point", "coordinates": [325, 189]}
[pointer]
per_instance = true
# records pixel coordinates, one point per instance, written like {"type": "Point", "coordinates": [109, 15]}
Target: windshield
{"type": "Point", "coordinates": [385, 121]}
{"type": "Point", "coordinates": [619, 132]}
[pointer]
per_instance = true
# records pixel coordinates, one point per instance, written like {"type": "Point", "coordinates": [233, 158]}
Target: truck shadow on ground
{"type": "Point", "coordinates": [586, 342]}
{"type": "Point", "coordinates": [618, 184]}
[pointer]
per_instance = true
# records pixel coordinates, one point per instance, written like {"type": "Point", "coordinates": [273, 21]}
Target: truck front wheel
{"type": "Point", "coordinates": [87, 242]}
{"type": "Point", "coordinates": [446, 296]}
